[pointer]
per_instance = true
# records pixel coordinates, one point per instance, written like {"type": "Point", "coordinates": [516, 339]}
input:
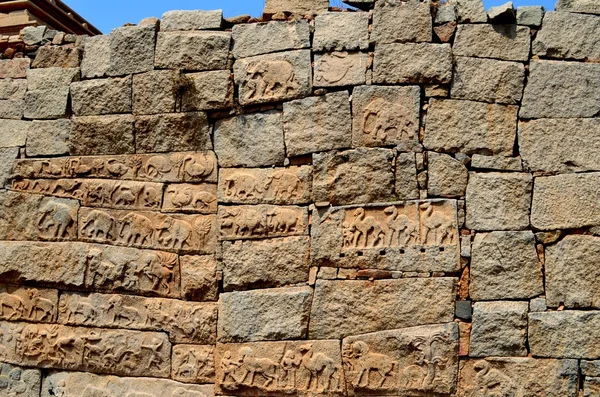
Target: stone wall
{"type": "Point", "coordinates": [398, 201]}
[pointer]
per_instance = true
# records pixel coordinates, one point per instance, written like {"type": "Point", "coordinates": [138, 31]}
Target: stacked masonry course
{"type": "Point", "coordinates": [403, 200]}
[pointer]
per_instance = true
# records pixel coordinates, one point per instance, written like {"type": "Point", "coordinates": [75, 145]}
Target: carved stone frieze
{"type": "Point", "coordinates": [19, 382]}
{"type": "Point", "coordinates": [28, 304]}
{"type": "Point", "coordinates": [193, 363]}
{"type": "Point", "coordinates": [201, 198]}
{"type": "Point", "coordinates": [262, 221]}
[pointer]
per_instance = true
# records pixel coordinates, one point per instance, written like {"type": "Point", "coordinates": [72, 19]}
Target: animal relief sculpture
{"type": "Point", "coordinates": [56, 220]}
{"type": "Point", "coordinates": [370, 370]}
{"type": "Point", "coordinates": [268, 80]}
{"type": "Point", "coordinates": [194, 364]}
{"type": "Point", "coordinates": [387, 123]}
{"type": "Point", "coordinates": [261, 221]}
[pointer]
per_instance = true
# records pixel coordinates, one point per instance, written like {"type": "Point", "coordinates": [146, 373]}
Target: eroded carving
{"type": "Point", "coordinates": [29, 304]}
{"type": "Point", "coordinates": [384, 121]}
{"type": "Point", "coordinates": [19, 382]}
{"type": "Point", "coordinates": [191, 198]}
{"type": "Point", "coordinates": [270, 79]}
{"type": "Point", "coordinates": [193, 364]}
{"type": "Point", "coordinates": [260, 221]}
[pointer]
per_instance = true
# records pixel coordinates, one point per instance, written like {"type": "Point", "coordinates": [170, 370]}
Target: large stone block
{"type": "Point", "coordinates": [13, 133]}
{"type": "Point", "coordinates": [155, 92]}
{"type": "Point", "coordinates": [49, 138]}
{"type": "Point", "coordinates": [172, 132]}
{"type": "Point", "coordinates": [498, 201]}
{"type": "Point", "coordinates": [386, 116]}
{"type": "Point", "coordinates": [488, 80]}
{"type": "Point", "coordinates": [191, 20]}
{"type": "Point", "coordinates": [353, 176]}
{"type": "Point", "coordinates": [446, 176]}
{"type": "Point", "coordinates": [7, 159]}
{"type": "Point", "coordinates": [264, 38]}
{"type": "Point", "coordinates": [506, 42]}
{"type": "Point", "coordinates": [28, 304]}
{"type": "Point", "coordinates": [317, 124]}
{"type": "Point", "coordinates": [46, 104]}
{"type": "Point", "coordinates": [472, 11]}
{"type": "Point", "coordinates": [57, 57]}
{"type": "Point", "coordinates": [412, 63]}
{"type": "Point", "coordinates": [583, 6]}
{"type": "Point", "coordinates": [199, 278]}
{"type": "Point", "coordinates": [470, 127]}
{"type": "Point", "coordinates": [208, 91]}
{"type": "Point", "coordinates": [499, 329]}
{"type": "Point", "coordinates": [51, 78]}
{"type": "Point", "coordinates": [192, 50]}
{"type": "Point", "coordinates": [303, 7]}
{"type": "Point", "coordinates": [20, 381]}
{"type": "Point", "coordinates": [407, 187]}
{"type": "Point", "coordinates": [93, 135]}
{"type": "Point", "coordinates": [105, 96]}
{"type": "Point", "coordinates": [265, 263]}
{"type": "Point", "coordinates": [400, 22]}
{"type": "Point", "coordinates": [561, 90]}
{"type": "Point", "coordinates": [505, 265]}
{"type": "Point", "coordinates": [568, 35]}
{"type": "Point", "coordinates": [13, 89]}
{"type": "Point", "coordinates": [344, 308]}
{"type": "Point", "coordinates": [567, 201]}
{"type": "Point", "coordinates": [336, 31]}
{"type": "Point", "coordinates": [12, 108]}
{"type": "Point", "coordinates": [262, 221]}
{"type": "Point", "coordinates": [269, 314]}
{"type": "Point", "coordinates": [251, 140]}
{"type": "Point", "coordinates": [14, 68]}
{"type": "Point", "coordinates": [339, 69]}
{"type": "Point", "coordinates": [411, 236]}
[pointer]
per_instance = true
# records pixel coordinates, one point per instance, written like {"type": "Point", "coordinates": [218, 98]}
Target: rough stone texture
{"type": "Point", "coordinates": [504, 13]}
{"type": "Point", "coordinates": [470, 127]}
{"type": "Point", "coordinates": [19, 381]}
{"type": "Point", "coordinates": [7, 158]}
{"type": "Point", "coordinates": [33, 34]}
{"type": "Point", "coordinates": [344, 308]}
{"type": "Point", "coordinates": [302, 7]}
{"type": "Point", "coordinates": [14, 133]}
{"type": "Point", "coordinates": [545, 146]}
{"type": "Point", "coordinates": [447, 177]}
{"type": "Point", "coordinates": [353, 176]}
{"type": "Point", "coordinates": [49, 138]}
{"type": "Point", "coordinates": [317, 124]}
{"type": "Point", "coordinates": [400, 22]}
{"type": "Point", "coordinates": [561, 90]}
{"type": "Point", "coordinates": [208, 91]}
{"type": "Point", "coordinates": [12, 108]}
{"type": "Point", "coordinates": [14, 68]}
{"type": "Point", "coordinates": [406, 177]}
{"type": "Point", "coordinates": [506, 42]}
{"type": "Point", "coordinates": [175, 132]}
{"type": "Point", "coordinates": [97, 97]}
{"type": "Point", "coordinates": [48, 92]}
{"type": "Point", "coordinates": [154, 92]}
{"type": "Point", "coordinates": [264, 38]}
{"type": "Point", "coordinates": [505, 265]}
{"type": "Point", "coordinates": [102, 135]}
{"type": "Point", "coordinates": [488, 80]}
{"type": "Point", "coordinates": [272, 314]}
{"type": "Point", "coordinates": [583, 6]}
{"type": "Point", "coordinates": [566, 201]}
{"type": "Point", "coordinates": [564, 334]}
{"type": "Point", "coordinates": [192, 50]}
{"type": "Point", "coordinates": [341, 31]}
{"type": "Point", "coordinates": [265, 263]}
{"type": "Point", "coordinates": [12, 89]}
{"type": "Point", "coordinates": [498, 163]}
{"type": "Point", "coordinates": [191, 20]}
{"type": "Point", "coordinates": [412, 63]}
{"type": "Point", "coordinates": [199, 278]}
{"type": "Point", "coordinates": [530, 15]}
{"type": "Point", "coordinates": [59, 57]}
{"type": "Point", "coordinates": [568, 35]}
{"type": "Point", "coordinates": [335, 69]}
{"type": "Point", "coordinates": [251, 140]}
{"type": "Point", "coordinates": [498, 201]}
{"type": "Point", "coordinates": [499, 329]}
{"type": "Point", "coordinates": [471, 11]}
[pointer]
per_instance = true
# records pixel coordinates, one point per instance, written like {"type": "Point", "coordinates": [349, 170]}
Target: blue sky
{"type": "Point", "coordinates": [109, 14]}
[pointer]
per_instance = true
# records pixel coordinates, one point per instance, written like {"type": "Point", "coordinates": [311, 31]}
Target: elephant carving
{"type": "Point", "coordinates": [98, 224]}
{"type": "Point", "coordinates": [269, 79]}
{"type": "Point", "coordinates": [136, 229]}
{"type": "Point", "coordinates": [55, 219]}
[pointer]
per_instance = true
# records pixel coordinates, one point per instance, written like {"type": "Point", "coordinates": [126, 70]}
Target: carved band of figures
{"type": "Point", "coordinates": [193, 363]}
{"type": "Point", "coordinates": [28, 304]}
{"type": "Point", "coordinates": [191, 198]}
{"type": "Point", "coordinates": [262, 221]}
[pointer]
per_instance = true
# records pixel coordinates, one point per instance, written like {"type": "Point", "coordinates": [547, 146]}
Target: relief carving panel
{"type": "Point", "coordinates": [262, 221]}
{"type": "Point", "coordinates": [193, 364]}
{"type": "Point", "coordinates": [200, 198]}
{"type": "Point", "coordinates": [28, 304]}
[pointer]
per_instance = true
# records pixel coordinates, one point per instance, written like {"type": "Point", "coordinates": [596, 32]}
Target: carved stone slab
{"type": "Point", "coordinates": [201, 198]}
{"type": "Point", "coordinates": [411, 361]}
{"type": "Point", "coordinates": [145, 229]}
{"type": "Point", "coordinates": [28, 304]}
{"type": "Point", "coordinates": [416, 236]}
{"type": "Point", "coordinates": [285, 186]}
{"type": "Point", "coordinates": [97, 192]}
{"type": "Point", "coordinates": [262, 221]}
{"type": "Point", "coordinates": [338, 69]}
{"type": "Point", "coordinates": [343, 308]}
{"type": "Point", "coordinates": [35, 217]}
{"type": "Point", "coordinates": [193, 363]}
{"type": "Point", "coordinates": [86, 349]}
{"type": "Point", "coordinates": [64, 384]}
{"type": "Point", "coordinates": [295, 368]}
{"type": "Point", "coordinates": [518, 377]}
{"type": "Point", "coordinates": [19, 382]}
{"type": "Point", "coordinates": [168, 167]}
{"type": "Point", "coordinates": [186, 322]}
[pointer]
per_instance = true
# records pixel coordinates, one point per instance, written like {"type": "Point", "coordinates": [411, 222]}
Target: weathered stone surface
{"type": "Point", "coordinates": [472, 11]}
{"type": "Point", "coordinates": [185, 322]}
{"type": "Point", "coordinates": [265, 263]}
{"type": "Point", "coordinates": [57, 57]}
{"type": "Point", "coordinates": [127, 50]}
{"type": "Point", "coordinates": [302, 7]}
{"type": "Point", "coordinates": [470, 127]}
{"type": "Point", "coordinates": [191, 20]}
{"type": "Point", "coordinates": [264, 38]}
{"type": "Point", "coordinates": [199, 278]}
{"type": "Point", "coordinates": [262, 221]}
{"type": "Point", "coordinates": [7, 159]}
{"type": "Point", "coordinates": [571, 275]}
{"type": "Point", "coordinates": [338, 69]}
{"type": "Point", "coordinates": [343, 308]}
{"type": "Point", "coordinates": [317, 124]}
{"type": "Point", "coordinates": [19, 381]}
{"type": "Point", "coordinates": [353, 176]}
{"type": "Point", "coordinates": [504, 13]}
{"type": "Point", "coordinates": [402, 349]}
{"type": "Point", "coordinates": [505, 265]}
{"type": "Point", "coordinates": [105, 96]}
{"type": "Point", "coordinates": [498, 163]}
{"type": "Point", "coordinates": [386, 116]}
{"type": "Point", "coordinates": [270, 314]}
{"type": "Point", "coordinates": [498, 201]}
{"type": "Point", "coordinates": [545, 146]}
{"type": "Point", "coordinates": [14, 68]}
{"type": "Point", "coordinates": [33, 34]}
{"type": "Point", "coordinates": [566, 201]}
{"type": "Point", "coordinates": [81, 384]}
{"type": "Point", "coordinates": [172, 132]}
{"type": "Point", "coordinates": [274, 77]}
{"type": "Point", "coordinates": [400, 236]}
{"type": "Point", "coordinates": [568, 35]}
{"type": "Point", "coordinates": [337, 31]}
{"type": "Point", "coordinates": [400, 22]}
{"type": "Point", "coordinates": [251, 140]}
{"type": "Point", "coordinates": [506, 42]}
{"type": "Point", "coordinates": [488, 80]}
{"type": "Point", "coordinates": [208, 91]}
{"type": "Point", "coordinates": [14, 133]}
{"type": "Point", "coordinates": [46, 104]}
{"type": "Point", "coordinates": [155, 92]}
{"type": "Point", "coordinates": [406, 177]}
{"type": "Point", "coordinates": [295, 377]}
{"type": "Point", "coordinates": [49, 138]}
{"type": "Point", "coordinates": [583, 6]}
{"type": "Point", "coordinates": [564, 334]}
{"type": "Point", "coordinates": [12, 108]}
{"type": "Point", "coordinates": [530, 15]}
{"type": "Point", "coordinates": [286, 186]}
{"type": "Point", "coordinates": [200, 198]}
{"type": "Point", "coordinates": [192, 50]}
{"type": "Point", "coordinates": [499, 329]}
{"type": "Point", "coordinates": [561, 90]}
{"type": "Point", "coordinates": [93, 135]}
{"type": "Point", "coordinates": [447, 177]}
{"type": "Point", "coordinates": [412, 63]}
{"type": "Point", "coordinates": [12, 89]}
{"type": "Point", "coordinates": [532, 377]}
{"type": "Point", "coordinates": [28, 304]}
{"type": "Point", "coordinates": [193, 364]}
